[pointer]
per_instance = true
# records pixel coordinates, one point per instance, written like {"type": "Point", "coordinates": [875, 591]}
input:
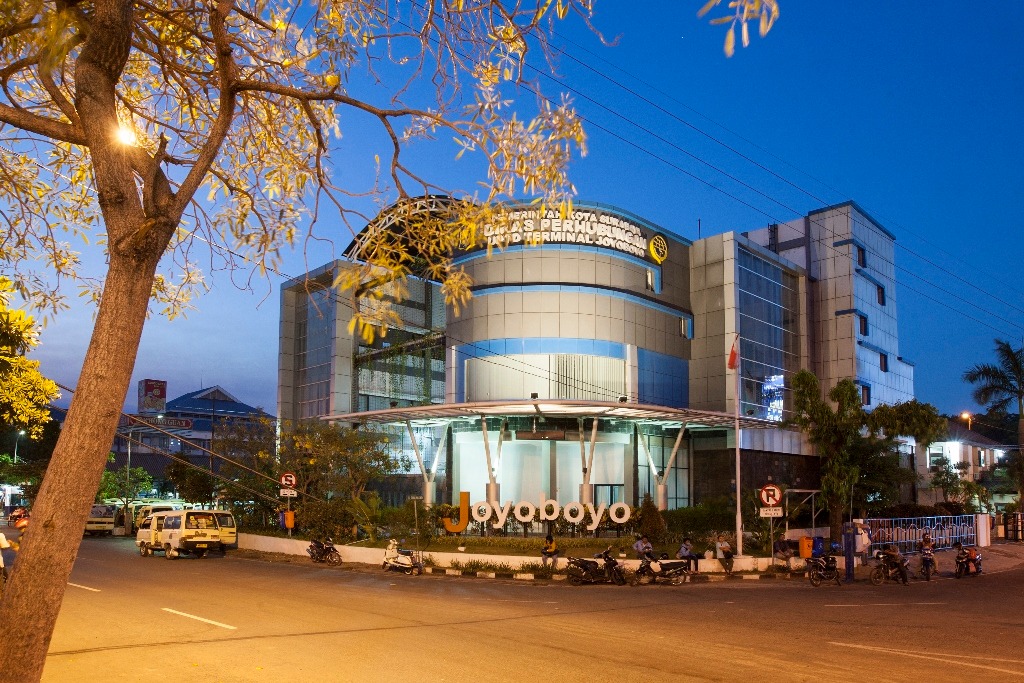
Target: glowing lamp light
{"type": "Point", "coordinates": [125, 135]}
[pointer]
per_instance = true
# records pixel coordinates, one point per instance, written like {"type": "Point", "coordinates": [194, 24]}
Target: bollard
{"type": "Point", "coordinates": [849, 548]}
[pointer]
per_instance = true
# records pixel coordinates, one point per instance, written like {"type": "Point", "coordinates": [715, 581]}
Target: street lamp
{"type": "Point", "coordinates": [967, 416]}
{"type": "Point", "coordinates": [17, 437]}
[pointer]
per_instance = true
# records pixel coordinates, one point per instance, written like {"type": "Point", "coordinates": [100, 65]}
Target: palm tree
{"type": "Point", "coordinates": [999, 385]}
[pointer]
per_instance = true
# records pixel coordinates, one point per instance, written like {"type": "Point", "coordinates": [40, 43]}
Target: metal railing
{"type": "Point", "coordinates": [906, 532]}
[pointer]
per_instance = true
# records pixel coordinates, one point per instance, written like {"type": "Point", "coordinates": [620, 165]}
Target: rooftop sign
{"type": "Point", "coordinates": [591, 227]}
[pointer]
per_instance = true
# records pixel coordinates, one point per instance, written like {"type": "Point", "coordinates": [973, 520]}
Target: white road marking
{"type": "Point", "coordinates": [885, 604]}
{"type": "Point", "coordinates": [192, 616]}
{"type": "Point", "coordinates": [917, 655]}
{"type": "Point", "coordinates": [78, 585]}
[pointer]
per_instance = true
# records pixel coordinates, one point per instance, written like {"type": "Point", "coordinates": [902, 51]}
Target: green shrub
{"type": "Point", "coordinates": [700, 520]}
{"type": "Point", "coordinates": [320, 519]}
{"type": "Point", "coordinates": [651, 524]}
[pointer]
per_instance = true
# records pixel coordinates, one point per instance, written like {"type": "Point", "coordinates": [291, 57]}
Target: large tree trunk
{"type": "Point", "coordinates": [33, 596]}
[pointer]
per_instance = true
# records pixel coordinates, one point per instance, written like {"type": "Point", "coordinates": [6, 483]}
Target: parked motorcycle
{"type": "Point", "coordinates": [888, 569]}
{"type": "Point", "coordinates": [324, 552]}
{"type": "Point", "coordinates": [582, 570]}
{"type": "Point", "coordinates": [823, 569]}
{"type": "Point", "coordinates": [650, 570]}
{"type": "Point", "coordinates": [16, 516]}
{"type": "Point", "coordinates": [927, 563]}
{"type": "Point", "coordinates": [407, 561]}
{"type": "Point", "coordinates": [964, 562]}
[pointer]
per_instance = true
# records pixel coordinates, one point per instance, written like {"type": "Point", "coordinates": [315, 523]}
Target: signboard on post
{"type": "Point", "coordinates": [771, 512]}
{"type": "Point", "coordinates": [771, 496]}
{"type": "Point", "coordinates": [289, 493]}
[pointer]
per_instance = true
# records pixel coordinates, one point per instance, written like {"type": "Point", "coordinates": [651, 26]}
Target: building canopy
{"type": "Point", "coordinates": [442, 413]}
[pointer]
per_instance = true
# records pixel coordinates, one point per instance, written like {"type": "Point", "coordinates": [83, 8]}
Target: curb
{"type": "Point", "coordinates": [555, 578]}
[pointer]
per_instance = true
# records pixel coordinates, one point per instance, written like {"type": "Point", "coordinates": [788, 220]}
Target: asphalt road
{"type": "Point", "coordinates": [129, 618]}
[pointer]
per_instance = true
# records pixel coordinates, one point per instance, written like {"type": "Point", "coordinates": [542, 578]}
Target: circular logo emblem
{"type": "Point", "coordinates": [658, 247]}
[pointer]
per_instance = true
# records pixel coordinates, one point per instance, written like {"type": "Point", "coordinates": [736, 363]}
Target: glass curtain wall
{"type": "Point", "coordinates": [406, 366]}
{"type": "Point", "coordinates": [769, 340]}
{"type": "Point", "coordinates": [660, 444]}
{"type": "Point", "coordinates": [314, 330]}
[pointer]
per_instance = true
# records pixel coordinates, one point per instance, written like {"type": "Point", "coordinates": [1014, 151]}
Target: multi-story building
{"type": "Point", "coordinates": [971, 454]}
{"type": "Point", "coordinates": [592, 359]}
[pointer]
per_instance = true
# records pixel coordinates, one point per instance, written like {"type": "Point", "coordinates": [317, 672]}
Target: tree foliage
{"type": "Point", "coordinates": [124, 484]}
{"type": "Point", "coordinates": [999, 386]}
{"type": "Point", "coordinates": [33, 458]}
{"type": "Point", "coordinates": [192, 483]}
{"type": "Point", "coordinates": [25, 394]}
{"type": "Point", "coordinates": [329, 460]}
{"type": "Point", "coordinates": [743, 11]}
{"type": "Point", "coordinates": [858, 449]}
{"type": "Point", "coordinates": [144, 131]}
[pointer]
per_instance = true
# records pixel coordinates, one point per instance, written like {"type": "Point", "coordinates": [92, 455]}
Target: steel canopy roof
{"type": "Point", "coordinates": [439, 413]}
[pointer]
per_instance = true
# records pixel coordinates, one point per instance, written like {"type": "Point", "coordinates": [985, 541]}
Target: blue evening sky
{"type": "Point", "coordinates": [912, 111]}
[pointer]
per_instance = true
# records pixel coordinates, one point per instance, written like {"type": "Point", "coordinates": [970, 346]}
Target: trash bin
{"type": "Point", "coordinates": [289, 519]}
{"type": "Point", "coordinates": [806, 547]}
{"type": "Point", "coordinates": [818, 547]}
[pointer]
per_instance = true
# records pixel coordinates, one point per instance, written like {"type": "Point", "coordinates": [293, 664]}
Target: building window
{"type": "Point", "coordinates": [934, 454]}
{"type": "Point", "coordinates": [862, 257]}
{"type": "Point", "coordinates": [686, 327]}
{"type": "Point", "coordinates": [883, 362]}
{"type": "Point", "coordinates": [865, 395]}
{"type": "Point", "coordinates": [650, 280]}
{"type": "Point", "coordinates": [881, 295]}
{"type": "Point", "coordinates": [862, 321]}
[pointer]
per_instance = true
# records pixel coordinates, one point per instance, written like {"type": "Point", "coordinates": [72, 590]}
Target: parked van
{"type": "Point", "coordinates": [101, 520]}
{"type": "Point", "coordinates": [189, 532]}
{"type": "Point", "coordinates": [228, 529]}
{"type": "Point", "coordinates": [151, 508]}
{"type": "Point", "coordinates": [148, 535]}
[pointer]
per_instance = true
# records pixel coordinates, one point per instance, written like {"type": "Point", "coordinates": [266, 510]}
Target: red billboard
{"type": "Point", "coordinates": [152, 396]}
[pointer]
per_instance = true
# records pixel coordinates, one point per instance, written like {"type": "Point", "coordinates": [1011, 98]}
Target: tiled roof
{"type": "Point", "coordinates": [211, 400]}
{"type": "Point", "coordinates": [959, 432]}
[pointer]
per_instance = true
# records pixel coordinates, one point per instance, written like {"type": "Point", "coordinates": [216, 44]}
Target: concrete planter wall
{"type": "Point", "coordinates": [373, 556]}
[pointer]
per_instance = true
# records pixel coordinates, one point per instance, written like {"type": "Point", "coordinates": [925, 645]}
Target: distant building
{"type": "Point", "coordinates": [192, 419]}
{"type": "Point", "coordinates": [591, 362]}
{"type": "Point", "coordinates": [973, 454]}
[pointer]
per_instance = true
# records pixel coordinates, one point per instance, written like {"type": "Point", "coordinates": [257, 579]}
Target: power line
{"type": "Point", "coordinates": [745, 157]}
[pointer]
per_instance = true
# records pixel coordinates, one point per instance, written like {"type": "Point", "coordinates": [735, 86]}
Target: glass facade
{"type": "Point", "coordinates": [660, 443]}
{"type": "Point", "coordinates": [406, 366]}
{"type": "Point", "coordinates": [314, 336]}
{"type": "Point", "coordinates": [769, 341]}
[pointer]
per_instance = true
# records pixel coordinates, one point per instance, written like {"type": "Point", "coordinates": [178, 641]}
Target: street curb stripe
{"type": "Point", "coordinates": [86, 588]}
{"type": "Point", "coordinates": [192, 616]}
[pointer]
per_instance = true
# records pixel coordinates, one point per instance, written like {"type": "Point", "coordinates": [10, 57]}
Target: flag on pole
{"type": "Point", "coordinates": [734, 355]}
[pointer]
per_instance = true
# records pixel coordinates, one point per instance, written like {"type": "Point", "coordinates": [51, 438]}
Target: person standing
{"type": "Point", "coordinates": [723, 551]}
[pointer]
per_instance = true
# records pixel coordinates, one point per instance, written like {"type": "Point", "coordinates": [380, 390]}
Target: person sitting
{"type": "Point", "coordinates": [549, 553]}
{"type": "Point", "coordinates": [685, 552]}
{"type": "Point", "coordinates": [643, 548]}
{"type": "Point", "coordinates": [781, 549]}
{"type": "Point", "coordinates": [891, 555]}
